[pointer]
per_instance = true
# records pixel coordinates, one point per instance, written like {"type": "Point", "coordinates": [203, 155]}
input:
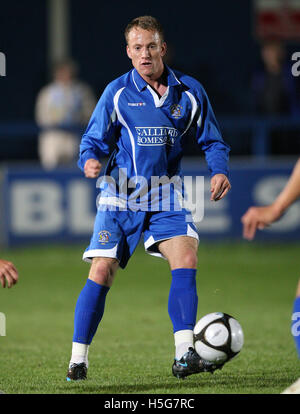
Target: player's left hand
{"type": "Point", "coordinates": [219, 187]}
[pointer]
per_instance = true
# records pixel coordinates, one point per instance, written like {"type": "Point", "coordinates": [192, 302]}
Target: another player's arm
{"type": "Point", "coordinates": [291, 191]}
{"type": "Point", "coordinates": [8, 274]}
{"type": "Point", "coordinates": [261, 217]}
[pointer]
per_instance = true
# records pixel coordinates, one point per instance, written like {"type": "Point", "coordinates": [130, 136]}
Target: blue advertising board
{"type": "Point", "coordinates": [60, 206]}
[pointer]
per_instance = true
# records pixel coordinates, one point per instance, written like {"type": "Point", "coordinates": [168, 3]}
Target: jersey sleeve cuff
{"type": "Point", "coordinates": [225, 172]}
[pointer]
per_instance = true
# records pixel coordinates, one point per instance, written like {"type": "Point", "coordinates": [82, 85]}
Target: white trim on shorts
{"type": "Point", "coordinates": [88, 255]}
{"type": "Point", "coordinates": [150, 241]}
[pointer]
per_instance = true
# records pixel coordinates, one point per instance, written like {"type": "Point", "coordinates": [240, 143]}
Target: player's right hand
{"type": "Point", "coordinates": [92, 168]}
{"type": "Point", "coordinates": [8, 274]}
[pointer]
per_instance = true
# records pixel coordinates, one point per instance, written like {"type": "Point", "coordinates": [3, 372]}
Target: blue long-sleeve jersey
{"type": "Point", "coordinates": [150, 131]}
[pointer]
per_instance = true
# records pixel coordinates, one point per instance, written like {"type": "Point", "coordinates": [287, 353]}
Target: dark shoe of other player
{"type": "Point", "coordinates": [192, 363]}
{"type": "Point", "coordinates": [77, 372]}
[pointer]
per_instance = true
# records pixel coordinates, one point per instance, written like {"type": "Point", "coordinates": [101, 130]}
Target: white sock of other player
{"type": "Point", "coordinates": [183, 341]}
{"type": "Point", "coordinates": [79, 353]}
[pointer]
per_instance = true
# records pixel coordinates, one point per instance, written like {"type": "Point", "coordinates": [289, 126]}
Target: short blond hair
{"type": "Point", "coordinates": [147, 23]}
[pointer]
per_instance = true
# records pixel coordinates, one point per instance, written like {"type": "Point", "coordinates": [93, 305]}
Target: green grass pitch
{"type": "Point", "coordinates": [133, 349]}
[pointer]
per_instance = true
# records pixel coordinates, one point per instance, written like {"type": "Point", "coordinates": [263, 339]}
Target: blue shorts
{"type": "Point", "coordinates": [117, 233]}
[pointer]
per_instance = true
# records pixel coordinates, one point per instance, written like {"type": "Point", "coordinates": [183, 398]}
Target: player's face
{"type": "Point", "coordinates": [146, 51]}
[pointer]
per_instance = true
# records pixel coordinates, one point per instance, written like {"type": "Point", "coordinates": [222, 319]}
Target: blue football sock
{"type": "Point", "coordinates": [183, 299]}
{"type": "Point", "coordinates": [296, 324]}
{"type": "Point", "coordinates": [89, 311]}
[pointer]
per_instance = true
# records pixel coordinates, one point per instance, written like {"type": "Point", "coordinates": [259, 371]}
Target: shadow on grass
{"type": "Point", "coordinates": [228, 384]}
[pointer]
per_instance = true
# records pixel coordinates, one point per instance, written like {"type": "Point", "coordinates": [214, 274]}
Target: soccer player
{"type": "Point", "coordinates": [148, 110]}
{"type": "Point", "coordinates": [262, 217]}
{"type": "Point", "coordinates": [8, 274]}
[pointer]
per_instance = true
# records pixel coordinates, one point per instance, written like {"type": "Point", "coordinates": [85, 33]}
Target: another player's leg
{"type": "Point", "coordinates": [88, 313]}
{"type": "Point", "coordinates": [181, 253]}
{"type": "Point", "coordinates": [295, 387]}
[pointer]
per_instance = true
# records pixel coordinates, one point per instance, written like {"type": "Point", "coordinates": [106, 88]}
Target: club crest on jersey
{"type": "Point", "coordinates": [176, 111]}
{"type": "Point", "coordinates": [104, 236]}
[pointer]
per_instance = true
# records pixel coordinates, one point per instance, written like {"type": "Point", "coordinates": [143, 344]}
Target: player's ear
{"type": "Point", "coordinates": [128, 52]}
{"type": "Point", "coordinates": [163, 49]}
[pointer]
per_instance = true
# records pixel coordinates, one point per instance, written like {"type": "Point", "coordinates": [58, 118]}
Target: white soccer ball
{"type": "Point", "coordinates": [218, 337]}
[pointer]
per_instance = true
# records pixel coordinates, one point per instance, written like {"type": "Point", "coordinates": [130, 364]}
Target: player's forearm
{"type": "Point", "coordinates": [291, 191]}
{"type": "Point", "coordinates": [217, 159]}
{"type": "Point", "coordinates": [89, 149]}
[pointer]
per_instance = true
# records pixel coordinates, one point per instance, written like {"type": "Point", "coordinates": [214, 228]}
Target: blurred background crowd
{"type": "Point", "coordinates": [60, 54]}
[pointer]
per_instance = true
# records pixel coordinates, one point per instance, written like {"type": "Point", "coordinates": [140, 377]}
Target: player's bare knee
{"type": "Point", "coordinates": [186, 260]}
{"type": "Point", "coordinates": [103, 270]}
{"type": "Point", "coordinates": [189, 260]}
